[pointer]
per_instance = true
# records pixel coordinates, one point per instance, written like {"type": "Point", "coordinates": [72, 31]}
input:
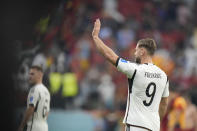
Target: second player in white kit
{"type": "Point", "coordinates": [38, 103]}
{"type": "Point", "coordinates": [38, 97]}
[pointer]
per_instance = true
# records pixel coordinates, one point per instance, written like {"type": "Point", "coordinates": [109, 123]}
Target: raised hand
{"type": "Point", "coordinates": [96, 30]}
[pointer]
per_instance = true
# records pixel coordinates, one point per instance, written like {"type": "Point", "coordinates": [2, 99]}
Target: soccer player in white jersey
{"type": "Point", "coordinates": [148, 85]}
{"type": "Point", "coordinates": [38, 103]}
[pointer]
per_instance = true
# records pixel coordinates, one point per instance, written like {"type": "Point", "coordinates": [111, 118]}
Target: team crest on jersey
{"type": "Point", "coordinates": [123, 60]}
{"type": "Point", "coordinates": [31, 99]}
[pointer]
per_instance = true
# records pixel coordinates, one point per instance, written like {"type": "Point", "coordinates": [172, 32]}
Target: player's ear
{"type": "Point", "coordinates": [39, 74]}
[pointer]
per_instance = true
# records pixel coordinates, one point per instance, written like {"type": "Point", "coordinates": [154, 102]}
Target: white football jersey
{"type": "Point", "coordinates": [39, 97]}
{"type": "Point", "coordinates": [147, 85]}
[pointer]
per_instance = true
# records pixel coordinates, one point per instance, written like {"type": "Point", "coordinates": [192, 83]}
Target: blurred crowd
{"type": "Point", "coordinates": [78, 77]}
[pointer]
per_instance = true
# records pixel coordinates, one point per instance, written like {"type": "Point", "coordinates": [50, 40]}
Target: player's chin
{"type": "Point", "coordinates": [31, 82]}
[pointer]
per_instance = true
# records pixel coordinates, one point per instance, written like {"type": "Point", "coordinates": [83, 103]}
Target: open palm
{"type": "Point", "coordinates": [96, 30]}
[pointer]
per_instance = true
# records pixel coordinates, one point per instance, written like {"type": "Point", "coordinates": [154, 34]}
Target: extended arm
{"type": "Point", "coordinates": [28, 113]}
{"type": "Point", "coordinates": [195, 119]}
{"type": "Point", "coordinates": [102, 48]}
{"type": "Point", "coordinates": [163, 107]}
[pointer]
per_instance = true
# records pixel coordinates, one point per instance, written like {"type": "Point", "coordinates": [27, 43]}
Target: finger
{"type": "Point", "coordinates": [97, 25]}
{"type": "Point", "coordinates": [98, 21]}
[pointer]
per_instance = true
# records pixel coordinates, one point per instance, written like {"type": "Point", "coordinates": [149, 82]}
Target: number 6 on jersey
{"type": "Point", "coordinates": [45, 109]}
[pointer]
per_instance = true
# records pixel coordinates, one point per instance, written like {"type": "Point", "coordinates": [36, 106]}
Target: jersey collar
{"type": "Point", "coordinates": [149, 64]}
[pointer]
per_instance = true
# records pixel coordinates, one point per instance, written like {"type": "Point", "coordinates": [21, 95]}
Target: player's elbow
{"type": "Point", "coordinates": [163, 106]}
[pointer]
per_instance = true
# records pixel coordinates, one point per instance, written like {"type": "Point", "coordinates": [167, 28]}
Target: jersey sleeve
{"type": "Point", "coordinates": [33, 97]}
{"type": "Point", "coordinates": [126, 67]}
{"type": "Point", "coordinates": [166, 90]}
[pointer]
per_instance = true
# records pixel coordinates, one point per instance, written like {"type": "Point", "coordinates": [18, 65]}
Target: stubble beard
{"type": "Point", "coordinates": [138, 60]}
{"type": "Point", "coordinates": [31, 83]}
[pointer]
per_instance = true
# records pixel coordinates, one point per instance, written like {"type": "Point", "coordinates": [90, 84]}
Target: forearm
{"type": "Point", "coordinates": [163, 107]}
{"type": "Point", "coordinates": [162, 111]}
{"type": "Point", "coordinates": [170, 128]}
{"type": "Point", "coordinates": [195, 121]}
{"type": "Point", "coordinates": [105, 50]}
{"type": "Point", "coordinates": [27, 115]}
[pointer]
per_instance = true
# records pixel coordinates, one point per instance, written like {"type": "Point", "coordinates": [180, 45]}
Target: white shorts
{"type": "Point", "coordinates": [135, 128]}
{"type": "Point", "coordinates": [38, 127]}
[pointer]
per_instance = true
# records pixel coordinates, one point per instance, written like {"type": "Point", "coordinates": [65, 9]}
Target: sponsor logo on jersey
{"type": "Point", "coordinates": [31, 99]}
{"type": "Point", "coordinates": [123, 60]}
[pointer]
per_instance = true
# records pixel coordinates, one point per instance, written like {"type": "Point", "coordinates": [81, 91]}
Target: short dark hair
{"type": "Point", "coordinates": [38, 68]}
{"type": "Point", "coordinates": [149, 44]}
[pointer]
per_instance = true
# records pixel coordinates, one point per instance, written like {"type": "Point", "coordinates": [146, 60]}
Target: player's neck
{"type": "Point", "coordinates": [147, 59]}
{"type": "Point", "coordinates": [39, 82]}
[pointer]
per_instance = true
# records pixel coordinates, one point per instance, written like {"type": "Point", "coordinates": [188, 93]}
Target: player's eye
{"type": "Point", "coordinates": [31, 74]}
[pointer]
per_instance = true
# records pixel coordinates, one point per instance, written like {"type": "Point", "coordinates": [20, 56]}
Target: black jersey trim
{"type": "Point", "coordinates": [138, 127]}
{"type": "Point", "coordinates": [130, 91]}
{"type": "Point", "coordinates": [167, 80]}
{"type": "Point", "coordinates": [32, 105]}
{"type": "Point", "coordinates": [127, 128]}
{"type": "Point", "coordinates": [36, 107]}
{"type": "Point", "coordinates": [128, 107]}
{"type": "Point", "coordinates": [148, 63]}
{"type": "Point", "coordinates": [117, 61]}
{"type": "Point", "coordinates": [130, 81]}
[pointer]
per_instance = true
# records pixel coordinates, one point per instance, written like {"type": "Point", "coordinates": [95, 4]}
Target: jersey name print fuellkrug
{"type": "Point", "coordinates": [147, 85]}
